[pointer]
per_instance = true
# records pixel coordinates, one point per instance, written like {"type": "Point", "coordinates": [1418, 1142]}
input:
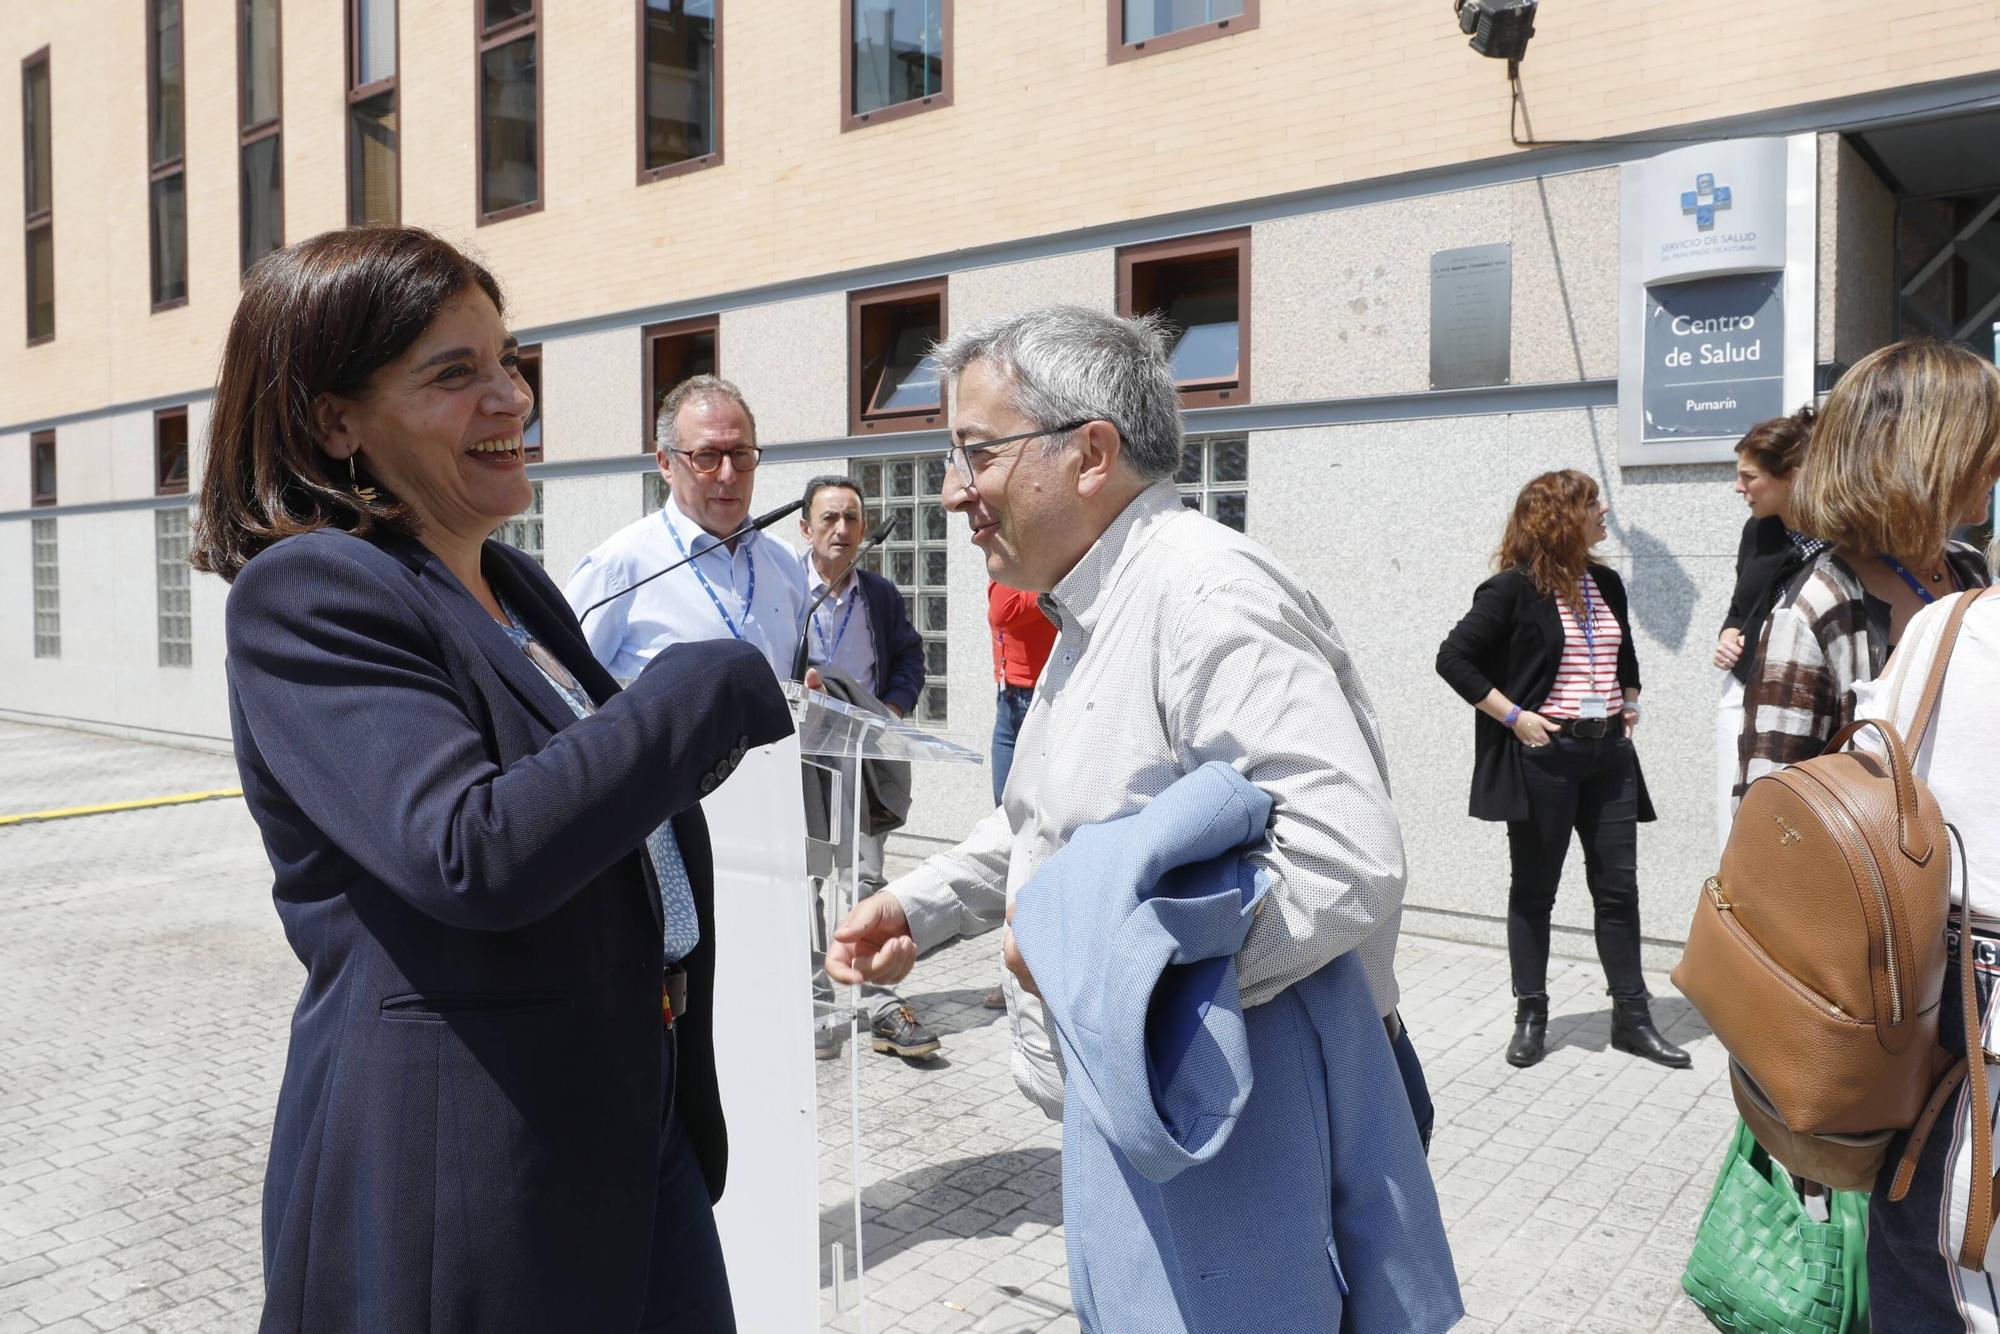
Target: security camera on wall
{"type": "Point", "coordinates": [1498, 28]}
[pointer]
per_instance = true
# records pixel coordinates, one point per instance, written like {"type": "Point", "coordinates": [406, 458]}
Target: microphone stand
{"type": "Point", "coordinates": [762, 521]}
{"type": "Point", "coordinates": [804, 651]}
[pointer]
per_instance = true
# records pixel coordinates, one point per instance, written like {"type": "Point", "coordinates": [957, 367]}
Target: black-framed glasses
{"type": "Point", "coordinates": [708, 462]}
{"type": "Point", "coordinates": [961, 456]}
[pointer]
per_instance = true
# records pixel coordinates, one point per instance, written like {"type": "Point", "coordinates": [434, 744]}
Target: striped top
{"type": "Point", "coordinates": [1589, 665]}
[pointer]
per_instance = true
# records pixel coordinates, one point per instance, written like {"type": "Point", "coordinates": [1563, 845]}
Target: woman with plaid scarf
{"type": "Point", "coordinates": [1906, 448]}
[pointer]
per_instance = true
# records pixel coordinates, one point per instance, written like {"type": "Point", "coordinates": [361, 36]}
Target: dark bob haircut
{"type": "Point", "coordinates": [317, 317]}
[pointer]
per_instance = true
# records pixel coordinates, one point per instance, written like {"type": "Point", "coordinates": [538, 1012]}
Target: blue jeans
{"type": "Point", "coordinates": [1009, 709]}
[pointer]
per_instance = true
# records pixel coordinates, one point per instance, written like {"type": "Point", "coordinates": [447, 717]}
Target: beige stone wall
{"type": "Point", "coordinates": [1044, 136]}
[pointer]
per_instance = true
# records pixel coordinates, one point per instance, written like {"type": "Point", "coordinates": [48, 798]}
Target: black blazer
{"type": "Point", "coordinates": [1512, 639]}
{"type": "Point", "coordinates": [899, 649]}
{"type": "Point", "coordinates": [468, 1130]}
{"type": "Point", "coordinates": [1766, 561]}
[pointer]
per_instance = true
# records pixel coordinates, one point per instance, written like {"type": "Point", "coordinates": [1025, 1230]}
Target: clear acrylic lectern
{"type": "Point", "coordinates": [791, 1215]}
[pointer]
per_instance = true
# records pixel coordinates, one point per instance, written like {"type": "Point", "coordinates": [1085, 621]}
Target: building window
{"type": "Point", "coordinates": [39, 195]}
{"type": "Point", "coordinates": [1215, 478]}
{"type": "Point", "coordinates": [653, 494]}
{"type": "Point", "coordinates": [260, 117]}
{"type": "Point", "coordinates": [898, 59]}
{"type": "Point", "coordinates": [894, 385]}
{"type": "Point", "coordinates": [48, 589]}
{"type": "Point", "coordinates": [166, 173]}
{"type": "Point", "coordinates": [42, 468]}
{"type": "Point", "coordinates": [908, 490]}
{"type": "Point", "coordinates": [374, 166]}
{"type": "Point", "coordinates": [1142, 27]}
{"type": "Point", "coordinates": [170, 452]}
{"type": "Point", "coordinates": [674, 352]}
{"type": "Point", "coordinates": [510, 109]}
{"type": "Point", "coordinates": [1202, 286]}
{"type": "Point", "coordinates": [170, 546]}
{"type": "Point", "coordinates": [524, 530]}
{"type": "Point", "coordinates": [530, 366]}
{"type": "Point", "coordinates": [680, 87]}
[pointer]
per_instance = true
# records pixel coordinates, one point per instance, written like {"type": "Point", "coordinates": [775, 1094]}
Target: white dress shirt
{"type": "Point", "coordinates": [840, 635]}
{"type": "Point", "coordinates": [709, 598]}
{"type": "Point", "coordinates": [1181, 641]}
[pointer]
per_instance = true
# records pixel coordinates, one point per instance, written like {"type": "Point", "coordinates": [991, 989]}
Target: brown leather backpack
{"type": "Point", "coordinates": [1817, 955]}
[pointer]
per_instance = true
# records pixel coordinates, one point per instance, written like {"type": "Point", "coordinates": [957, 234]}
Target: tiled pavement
{"type": "Point", "coordinates": [145, 990]}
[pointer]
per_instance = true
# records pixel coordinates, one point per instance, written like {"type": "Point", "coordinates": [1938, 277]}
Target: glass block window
{"type": "Point", "coordinates": [170, 547]}
{"type": "Point", "coordinates": [654, 497]}
{"type": "Point", "coordinates": [48, 590]}
{"type": "Point", "coordinates": [524, 530]}
{"type": "Point", "coordinates": [1215, 477]}
{"type": "Point", "coordinates": [908, 489]}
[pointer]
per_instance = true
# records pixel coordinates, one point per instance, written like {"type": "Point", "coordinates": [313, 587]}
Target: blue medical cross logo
{"type": "Point", "coordinates": [1704, 201]}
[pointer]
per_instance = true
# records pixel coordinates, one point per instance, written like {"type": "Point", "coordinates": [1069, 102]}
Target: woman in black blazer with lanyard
{"type": "Point", "coordinates": [499, 1108]}
{"type": "Point", "coordinates": [1545, 656]}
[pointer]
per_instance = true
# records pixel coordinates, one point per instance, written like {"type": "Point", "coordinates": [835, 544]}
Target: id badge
{"type": "Point", "coordinates": [1592, 706]}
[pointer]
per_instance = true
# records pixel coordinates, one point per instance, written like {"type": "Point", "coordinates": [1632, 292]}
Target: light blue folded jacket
{"type": "Point", "coordinates": [1224, 1171]}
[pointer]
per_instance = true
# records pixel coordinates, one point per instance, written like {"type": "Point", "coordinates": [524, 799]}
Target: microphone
{"type": "Point", "coordinates": [881, 534]}
{"type": "Point", "coordinates": [762, 521]}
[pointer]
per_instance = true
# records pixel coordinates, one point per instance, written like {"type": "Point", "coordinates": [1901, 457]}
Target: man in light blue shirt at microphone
{"type": "Point", "coordinates": [752, 588]}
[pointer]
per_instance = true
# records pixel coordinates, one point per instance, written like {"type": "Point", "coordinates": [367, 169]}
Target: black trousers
{"type": "Point", "coordinates": [1591, 787]}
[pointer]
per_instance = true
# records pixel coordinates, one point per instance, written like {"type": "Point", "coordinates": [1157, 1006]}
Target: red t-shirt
{"type": "Point", "coordinates": [1022, 635]}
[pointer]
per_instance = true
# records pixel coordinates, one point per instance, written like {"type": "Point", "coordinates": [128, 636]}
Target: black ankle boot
{"type": "Point", "coordinates": [1632, 1031]}
{"type": "Point", "coordinates": [1531, 1030]}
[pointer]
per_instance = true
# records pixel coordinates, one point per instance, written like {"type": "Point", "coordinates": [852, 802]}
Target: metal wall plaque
{"type": "Point", "coordinates": [1472, 316]}
{"type": "Point", "coordinates": [1714, 357]}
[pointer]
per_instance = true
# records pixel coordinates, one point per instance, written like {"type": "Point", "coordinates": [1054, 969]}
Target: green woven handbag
{"type": "Point", "coordinates": [1763, 1266]}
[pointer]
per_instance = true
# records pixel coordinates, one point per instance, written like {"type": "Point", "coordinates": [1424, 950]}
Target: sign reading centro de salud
{"type": "Point", "coordinates": [1714, 349]}
{"type": "Point", "coordinates": [1717, 243]}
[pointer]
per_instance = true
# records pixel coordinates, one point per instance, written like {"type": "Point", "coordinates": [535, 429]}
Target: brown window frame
{"type": "Point", "coordinates": [358, 93]}
{"type": "Point", "coordinates": [157, 172]}
{"type": "Point", "coordinates": [247, 135]}
{"type": "Point", "coordinates": [1119, 50]}
{"type": "Point", "coordinates": [1200, 393]}
{"type": "Point", "coordinates": [712, 158]}
{"type": "Point", "coordinates": [915, 106]}
{"type": "Point", "coordinates": [487, 39]}
{"type": "Point", "coordinates": [860, 422]}
{"type": "Point", "coordinates": [37, 441]}
{"type": "Point", "coordinates": [652, 334]}
{"type": "Point", "coordinates": [162, 486]}
{"type": "Point", "coordinates": [527, 354]}
{"type": "Point", "coordinates": [45, 220]}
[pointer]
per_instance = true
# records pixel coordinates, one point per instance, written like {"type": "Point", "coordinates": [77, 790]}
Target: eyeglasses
{"type": "Point", "coordinates": [963, 456]}
{"type": "Point", "coordinates": [708, 462]}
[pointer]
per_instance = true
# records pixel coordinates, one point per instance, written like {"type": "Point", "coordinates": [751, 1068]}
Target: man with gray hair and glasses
{"type": "Point", "coordinates": [1179, 641]}
{"type": "Point", "coordinates": [752, 588]}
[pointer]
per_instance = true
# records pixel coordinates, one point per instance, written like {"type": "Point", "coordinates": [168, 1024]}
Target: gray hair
{"type": "Point", "coordinates": [1069, 362]}
{"type": "Point", "coordinates": [666, 433]}
{"type": "Point", "coordinates": [831, 479]}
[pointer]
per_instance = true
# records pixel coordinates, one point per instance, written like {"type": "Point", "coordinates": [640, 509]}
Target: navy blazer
{"type": "Point", "coordinates": [899, 649]}
{"type": "Point", "coordinates": [1512, 639]}
{"type": "Point", "coordinates": [469, 1127]}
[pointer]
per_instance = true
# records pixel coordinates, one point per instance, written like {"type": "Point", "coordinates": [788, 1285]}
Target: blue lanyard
{"type": "Point", "coordinates": [1924, 594]}
{"type": "Point", "coordinates": [749, 598]}
{"type": "Point", "coordinates": [853, 596]}
{"type": "Point", "coordinates": [1589, 628]}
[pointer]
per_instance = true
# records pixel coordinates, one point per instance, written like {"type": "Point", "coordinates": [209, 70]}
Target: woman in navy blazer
{"type": "Point", "coordinates": [499, 1109]}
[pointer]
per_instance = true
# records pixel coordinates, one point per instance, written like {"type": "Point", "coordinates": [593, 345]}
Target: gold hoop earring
{"type": "Point", "coordinates": [367, 495]}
